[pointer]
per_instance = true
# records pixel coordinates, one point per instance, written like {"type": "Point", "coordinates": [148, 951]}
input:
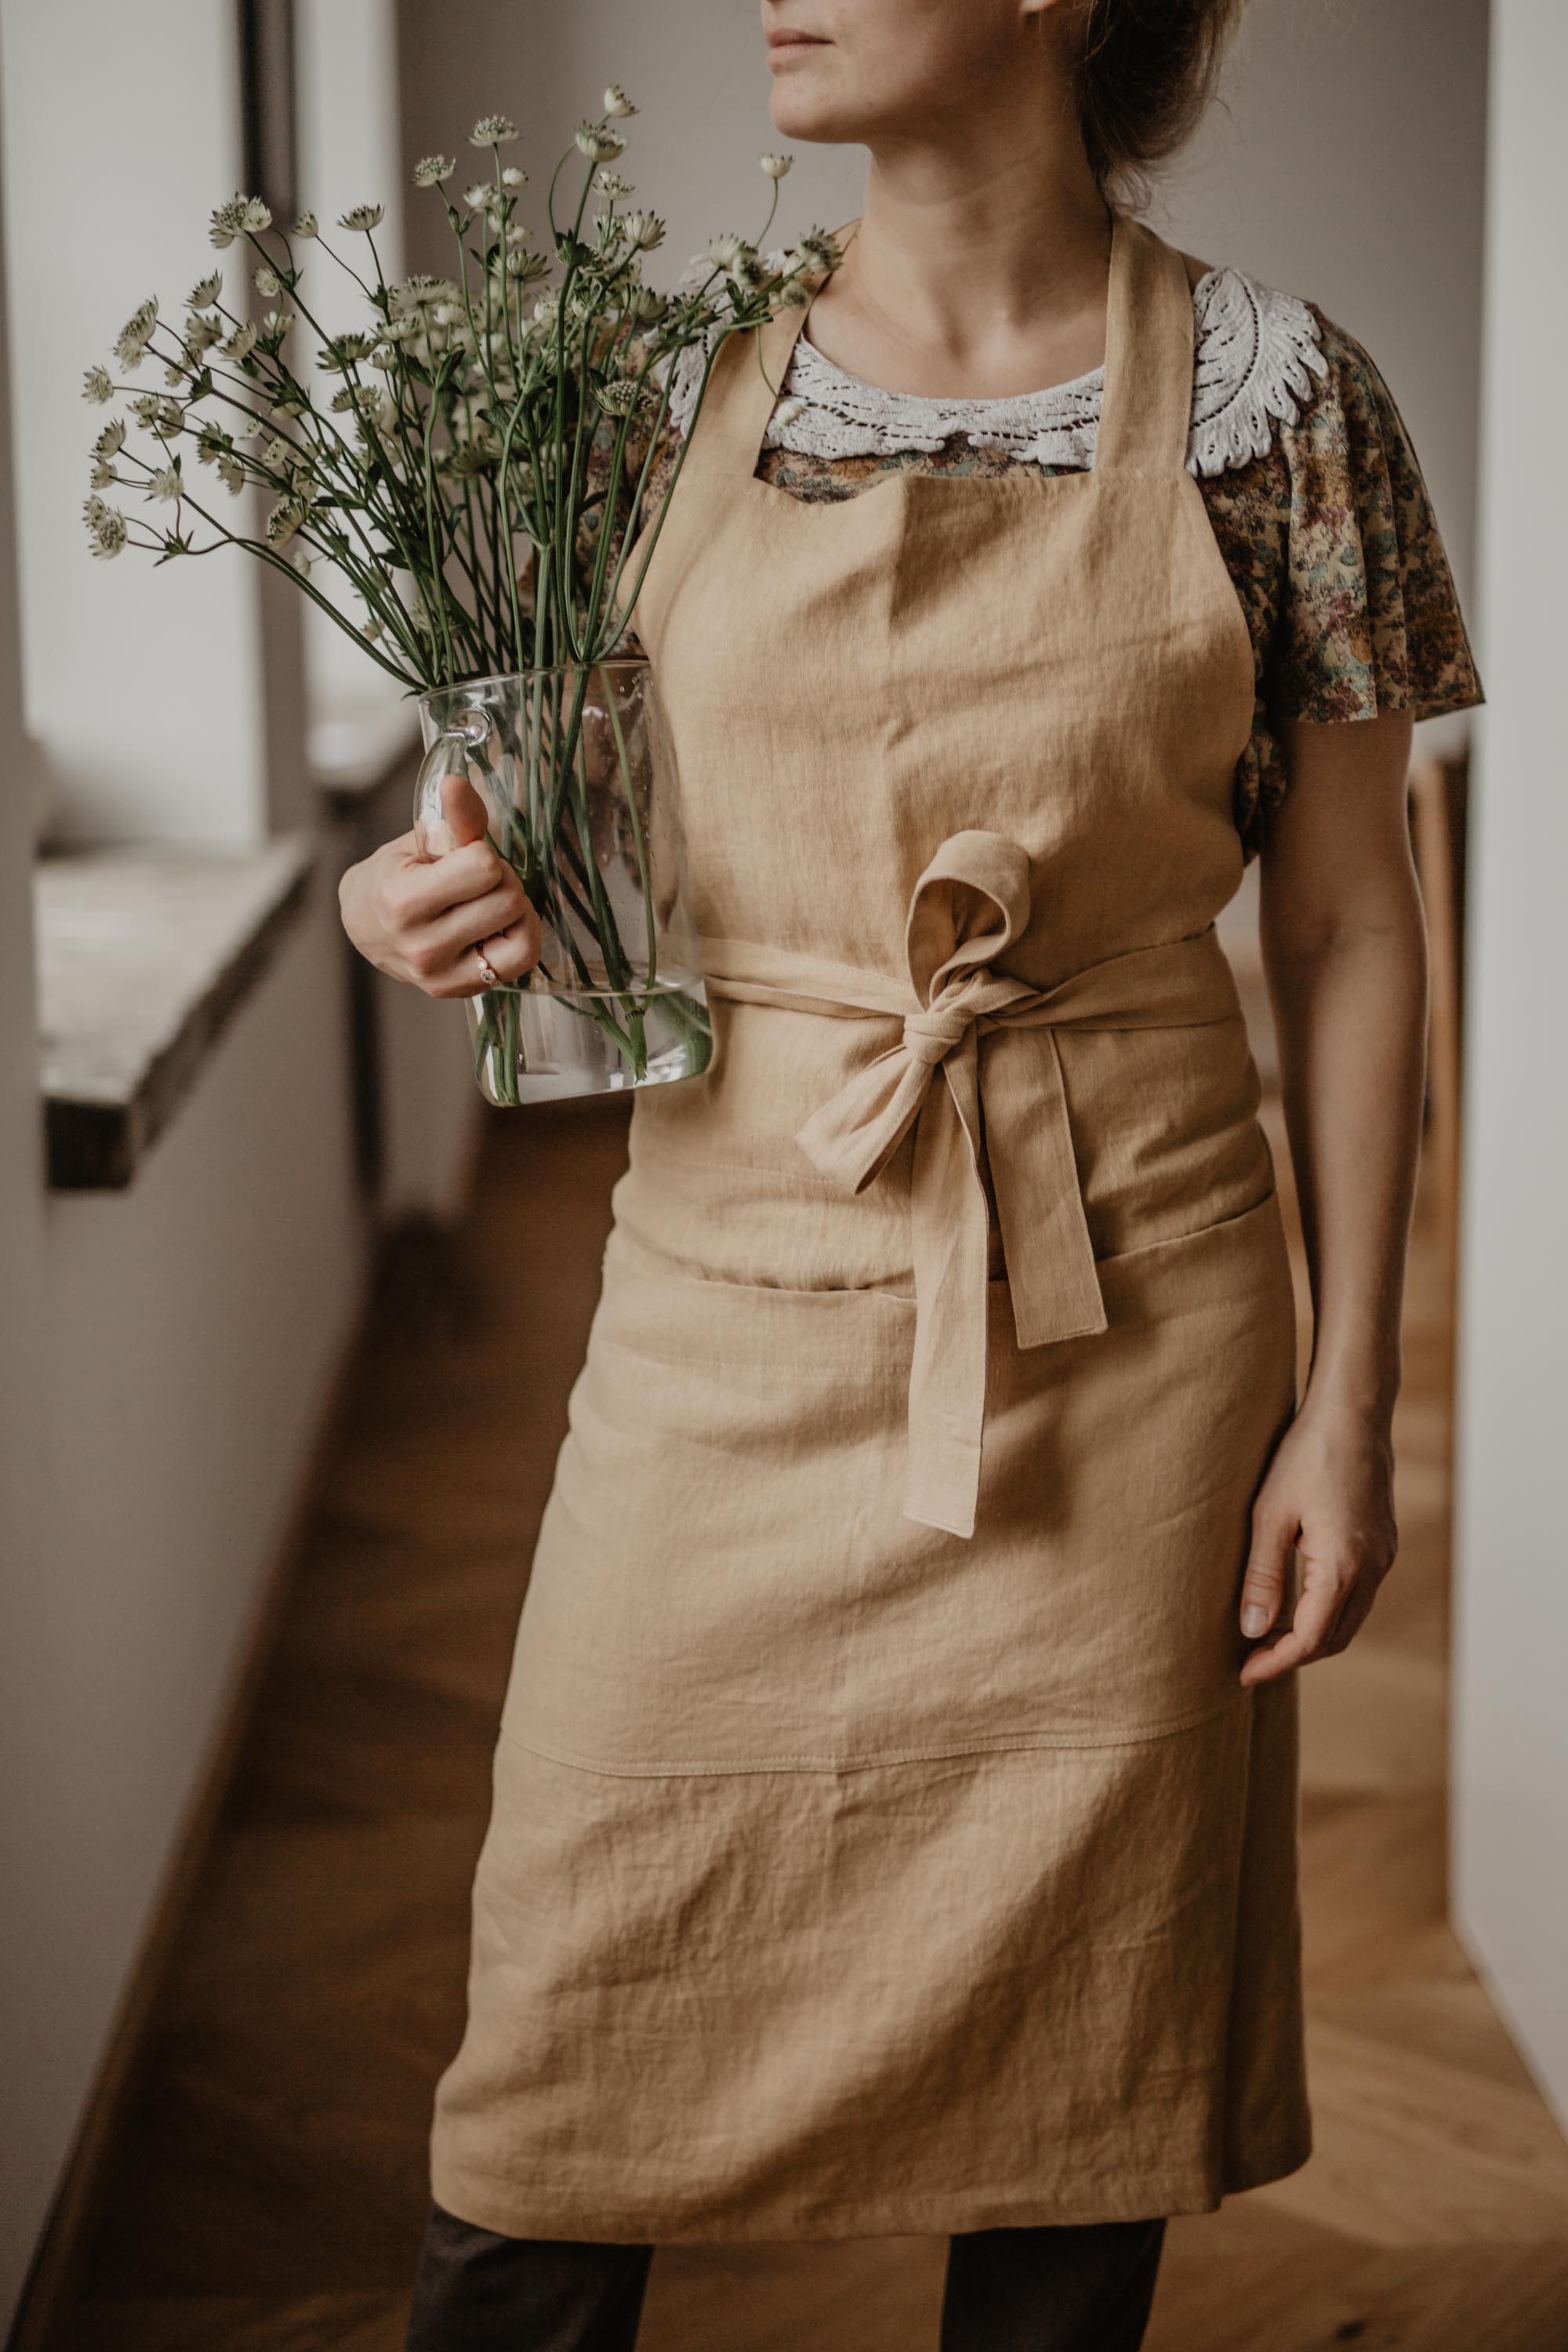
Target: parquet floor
{"type": "Point", "coordinates": [270, 2195]}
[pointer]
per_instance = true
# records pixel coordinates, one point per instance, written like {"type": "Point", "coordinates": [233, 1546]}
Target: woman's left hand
{"type": "Point", "coordinates": [1329, 1494]}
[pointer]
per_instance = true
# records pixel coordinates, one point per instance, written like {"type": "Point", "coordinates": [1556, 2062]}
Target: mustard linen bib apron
{"type": "Point", "coordinates": [882, 1841]}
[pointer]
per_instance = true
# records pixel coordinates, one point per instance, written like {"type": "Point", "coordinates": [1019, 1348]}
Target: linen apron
{"type": "Point", "coordinates": [882, 1839]}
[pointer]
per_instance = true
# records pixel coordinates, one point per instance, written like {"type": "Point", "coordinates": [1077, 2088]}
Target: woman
{"type": "Point", "coordinates": [895, 1808]}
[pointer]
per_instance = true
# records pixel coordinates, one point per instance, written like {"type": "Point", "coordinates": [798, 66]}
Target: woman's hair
{"type": "Point", "coordinates": [1146, 70]}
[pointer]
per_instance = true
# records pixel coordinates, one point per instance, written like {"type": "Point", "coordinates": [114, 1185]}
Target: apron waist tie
{"type": "Point", "coordinates": [969, 907]}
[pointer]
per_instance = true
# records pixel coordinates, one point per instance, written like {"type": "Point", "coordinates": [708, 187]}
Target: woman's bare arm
{"type": "Point", "coordinates": [1344, 952]}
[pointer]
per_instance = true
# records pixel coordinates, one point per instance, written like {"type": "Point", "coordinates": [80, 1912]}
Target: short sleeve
{"type": "Point", "coordinates": [1369, 619]}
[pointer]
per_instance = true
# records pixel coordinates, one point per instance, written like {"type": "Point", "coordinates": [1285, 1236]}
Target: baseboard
{"type": "Point", "coordinates": [44, 2312]}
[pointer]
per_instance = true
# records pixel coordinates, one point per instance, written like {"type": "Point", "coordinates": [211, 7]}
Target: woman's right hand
{"type": "Point", "coordinates": [427, 919]}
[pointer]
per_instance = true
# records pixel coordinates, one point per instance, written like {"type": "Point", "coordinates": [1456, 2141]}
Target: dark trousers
{"type": "Point", "coordinates": [1049, 2290]}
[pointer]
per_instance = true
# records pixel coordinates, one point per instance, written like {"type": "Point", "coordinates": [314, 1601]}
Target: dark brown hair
{"type": "Point", "coordinates": [1146, 70]}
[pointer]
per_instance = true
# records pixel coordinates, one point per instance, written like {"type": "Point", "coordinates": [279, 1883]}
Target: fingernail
{"type": "Point", "coordinates": [1254, 1620]}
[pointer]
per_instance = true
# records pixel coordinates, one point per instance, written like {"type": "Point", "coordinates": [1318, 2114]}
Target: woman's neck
{"type": "Point", "coordinates": [968, 276]}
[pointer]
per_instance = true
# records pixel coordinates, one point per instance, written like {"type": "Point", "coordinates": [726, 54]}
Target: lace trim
{"type": "Point", "coordinates": [1256, 353]}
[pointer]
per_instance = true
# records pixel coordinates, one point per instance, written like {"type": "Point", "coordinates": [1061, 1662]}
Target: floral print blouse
{"type": "Point", "coordinates": [1306, 469]}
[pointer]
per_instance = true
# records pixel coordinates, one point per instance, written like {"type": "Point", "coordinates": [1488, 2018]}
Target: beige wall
{"type": "Point", "coordinates": [1346, 162]}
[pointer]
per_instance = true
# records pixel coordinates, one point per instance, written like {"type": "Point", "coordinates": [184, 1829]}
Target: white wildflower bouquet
{"type": "Point", "coordinates": [465, 462]}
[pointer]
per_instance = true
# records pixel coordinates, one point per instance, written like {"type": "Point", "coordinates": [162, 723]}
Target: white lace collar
{"type": "Point", "coordinates": [1256, 353]}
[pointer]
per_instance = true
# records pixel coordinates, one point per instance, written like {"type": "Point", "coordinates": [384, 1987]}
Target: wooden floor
{"type": "Point", "coordinates": [270, 2194]}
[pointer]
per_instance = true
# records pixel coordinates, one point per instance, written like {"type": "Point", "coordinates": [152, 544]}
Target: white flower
{"type": "Point", "coordinates": [167, 419]}
{"type": "Point", "coordinates": [618, 399]}
{"type": "Point", "coordinates": [370, 629]}
{"type": "Point", "coordinates": [112, 440]}
{"type": "Point", "coordinates": [617, 102]}
{"type": "Point", "coordinates": [132, 345]}
{"type": "Point", "coordinates": [646, 304]}
{"type": "Point", "coordinates": [431, 170]}
{"type": "Point", "coordinates": [817, 251]}
{"type": "Point", "coordinates": [301, 563]}
{"type": "Point", "coordinates": [645, 229]}
{"type": "Point", "coordinates": [777, 166]}
{"type": "Point", "coordinates": [599, 146]}
{"type": "Point", "coordinates": [795, 296]}
{"type": "Point", "coordinates": [240, 216]}
{"type": "Point", "coordinates": [226, 222]}
{"type": "Point", "coordinates": [202, 330]}
{"type": "Point", "coordinates": [787, 411]}
{"type": "Point", "coordinates": [307, 226]}
{"type": "Point", "coordinates": [422, 289]}
{"type": "Point", "coordinates": [165, 483]}
{"type": "Point", "coordinates": [97, 385]}
{"type": "Point", "coordinates": [362, 217]}
{"type": "Point", "coordinates": [204, 293]}
{"type": "Point", "coordinates": [492, 130]}
{"type": "Point", "coordinates": [611, 184]}
{"type": "Point", "coordinates": [748, 270]}
{"type": "Point", "coordinates": [231, 473]}
{"type": "Point", "coordinates": [104, 473]}
{"type": "Point", "coordinates": [275, 325]}
{"type": "Point", "coordinates": [513, 178]}
{"type": "Point", "coordinates": [341, 352]}
{"type": "Point", "coordinates": [285, 520]}
{"type": "Point", "coordinates": [725, 248]}
{"type": "Point", "coordinates": [106, 528]}
{"type": "Point", "coordinates": [266, 283]}
{"type": "Point", "coordinates": [241, 343]}
{"type": "Point", "coordinates": [478, 197]}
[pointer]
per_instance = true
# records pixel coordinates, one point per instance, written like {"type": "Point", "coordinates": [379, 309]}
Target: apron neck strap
{"type": "Point", "coordinates": [740, 394]}
{"type": "Point", "coordinates": [1145, 411]}
{"type": "Point", "coordinates": [1146, 408]}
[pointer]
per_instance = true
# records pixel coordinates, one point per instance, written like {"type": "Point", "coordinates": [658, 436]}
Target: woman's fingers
{"type": "Point", "coordinates": [1274, 1531]}
{"type": "Point", "coordinates": [514, 950]}
{"type": "Point", "coordinates": [466, 813]}
{"type": "Point", "coordinates": [445, 962]}
{"type": "Point", "coordinates": [426, 887]}
{"type": "Point", "coordinates": [1316, 1613]}
{"type": "Point", "coordinates": [444, 940]}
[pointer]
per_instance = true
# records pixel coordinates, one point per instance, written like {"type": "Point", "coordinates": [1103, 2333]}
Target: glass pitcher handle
{"type": "Point", "coordinates": [447, 756]}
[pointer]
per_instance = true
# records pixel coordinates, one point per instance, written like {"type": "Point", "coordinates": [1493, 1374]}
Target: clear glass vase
{"type": "Point", "coordinates": [573, 768]}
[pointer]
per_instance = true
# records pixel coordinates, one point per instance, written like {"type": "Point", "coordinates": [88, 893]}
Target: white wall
{"type": "Point", "coordinates": [122, 132]}
{"type": "Point", "coordinates": [1511, 1756]}
{"type": "Point", "coordinates": [346, 71]}
{"type": "Point", "coordinates": [165, 1352]}
{"type": "Point", "coordinates": [193, 1325]}
{"type": "Point", "coordinates": [26, 1493]}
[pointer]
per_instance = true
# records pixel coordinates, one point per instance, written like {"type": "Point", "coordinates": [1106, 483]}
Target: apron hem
{"type": "Point", "coordinates": [482, 2200]}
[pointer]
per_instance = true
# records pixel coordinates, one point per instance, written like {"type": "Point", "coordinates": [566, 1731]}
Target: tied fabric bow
{"type": "Point", "coordinates": [968, 908]}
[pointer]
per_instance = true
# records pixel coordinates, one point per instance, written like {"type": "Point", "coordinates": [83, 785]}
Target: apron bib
{"type": "Point", "coordinates": [882, 1841]}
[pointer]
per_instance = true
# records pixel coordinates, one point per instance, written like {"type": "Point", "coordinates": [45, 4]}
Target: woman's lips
{"type": "Point", "coordinates": [781, 46]}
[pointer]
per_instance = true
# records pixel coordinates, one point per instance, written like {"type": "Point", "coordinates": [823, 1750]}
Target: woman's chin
{"type": "Point", "coordinates": [799, 113]}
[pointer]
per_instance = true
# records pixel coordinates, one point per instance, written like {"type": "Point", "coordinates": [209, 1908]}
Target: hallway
{"type": "Point", "coordinates": [269, 2193]}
